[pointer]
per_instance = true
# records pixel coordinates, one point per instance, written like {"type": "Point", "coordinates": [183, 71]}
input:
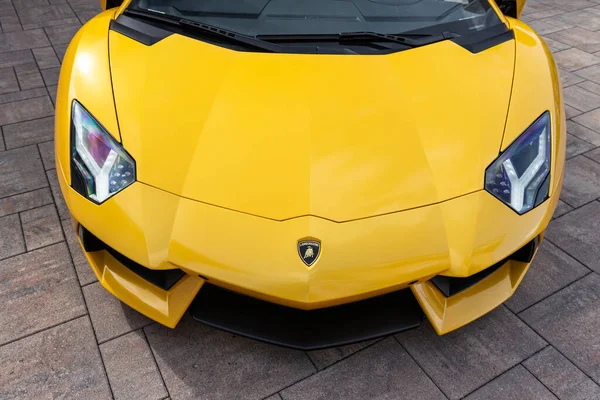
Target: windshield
{"type": "Point", "coordinates": [318, 17]}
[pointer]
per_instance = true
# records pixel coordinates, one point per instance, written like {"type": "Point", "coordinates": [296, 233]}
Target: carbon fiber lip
{"type": "Point", "coordinates": [306, 330]}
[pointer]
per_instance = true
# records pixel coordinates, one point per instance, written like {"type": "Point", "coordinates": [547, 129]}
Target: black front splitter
{"type": "Point", "coordinates": [307, 330]}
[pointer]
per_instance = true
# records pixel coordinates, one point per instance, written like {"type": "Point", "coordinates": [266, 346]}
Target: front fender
{"type": "Point", "coordinates": [536, 89]}
{"type": "Point", "coordinates": [85, 76]}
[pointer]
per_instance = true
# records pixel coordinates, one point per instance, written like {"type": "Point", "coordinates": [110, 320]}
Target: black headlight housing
{"type": "Point", "coordinates": [100, 167]}
{"type": "Point", "coordinates": [520, 176]}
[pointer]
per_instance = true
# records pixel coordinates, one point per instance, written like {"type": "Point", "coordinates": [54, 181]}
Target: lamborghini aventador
{"type": "Point", "coordinates": [310, 173]}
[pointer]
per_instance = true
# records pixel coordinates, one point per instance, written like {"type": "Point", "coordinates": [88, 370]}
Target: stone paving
{"type": "Point", "coordinates": [63, 336]}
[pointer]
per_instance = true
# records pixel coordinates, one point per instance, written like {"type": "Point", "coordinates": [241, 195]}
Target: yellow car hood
{"type": "Point", "coordinates": [336, 136]}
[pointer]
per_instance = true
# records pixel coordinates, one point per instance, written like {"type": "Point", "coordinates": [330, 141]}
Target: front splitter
{"type": "Point", "coordinates": [307, 330]}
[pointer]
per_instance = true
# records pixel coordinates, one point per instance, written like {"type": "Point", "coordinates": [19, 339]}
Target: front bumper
{"type": "Point", "coordinates": [257, 257]}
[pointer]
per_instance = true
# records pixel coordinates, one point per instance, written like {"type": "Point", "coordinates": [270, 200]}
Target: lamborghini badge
{"type": "Point", "coordinates": [309, 251]}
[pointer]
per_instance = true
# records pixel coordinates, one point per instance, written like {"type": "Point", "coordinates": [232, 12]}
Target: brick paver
{"type": "Point", "coordinates": [62, 335]}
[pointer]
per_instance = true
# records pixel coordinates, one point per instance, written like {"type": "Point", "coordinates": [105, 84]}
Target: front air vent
{"type": "Point", "coordinates": [450, 286]}
{"type": "Point", "coordinates": [164, 279]}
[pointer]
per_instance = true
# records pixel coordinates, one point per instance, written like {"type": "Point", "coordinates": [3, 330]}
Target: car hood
{"type": "Point", "coordinates": [341, 137]}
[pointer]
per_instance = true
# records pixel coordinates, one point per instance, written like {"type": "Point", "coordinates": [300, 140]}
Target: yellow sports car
{"type": "Point", "coordinates": [310, 172]}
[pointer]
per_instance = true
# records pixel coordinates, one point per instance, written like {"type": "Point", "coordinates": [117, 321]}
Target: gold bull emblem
{"type": "Point", "coordinates": [309, 253]}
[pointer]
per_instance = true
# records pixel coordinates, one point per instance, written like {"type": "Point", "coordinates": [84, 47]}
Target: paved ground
{"type": "Point", "coordinates": [62, 335]}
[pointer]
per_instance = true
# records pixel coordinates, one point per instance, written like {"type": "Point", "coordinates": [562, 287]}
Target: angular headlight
{"type": "Point", "coordinates": [520, 177]}
{"type": "Point", "coordinates": [100, 167]}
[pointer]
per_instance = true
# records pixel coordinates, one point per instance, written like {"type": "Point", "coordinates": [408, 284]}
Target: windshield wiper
{"type": "Point", "coordinates": [410, 40]}
{"type": "Point", "coordinates": [209, 30]}
{"type": "Point", "coordinates": [225, 34]}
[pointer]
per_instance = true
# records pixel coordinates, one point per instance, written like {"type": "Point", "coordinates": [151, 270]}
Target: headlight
{"type": "Point", "coordinates": [520, 177]}
{"type": "Point", "coordinates": [100, 167]}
